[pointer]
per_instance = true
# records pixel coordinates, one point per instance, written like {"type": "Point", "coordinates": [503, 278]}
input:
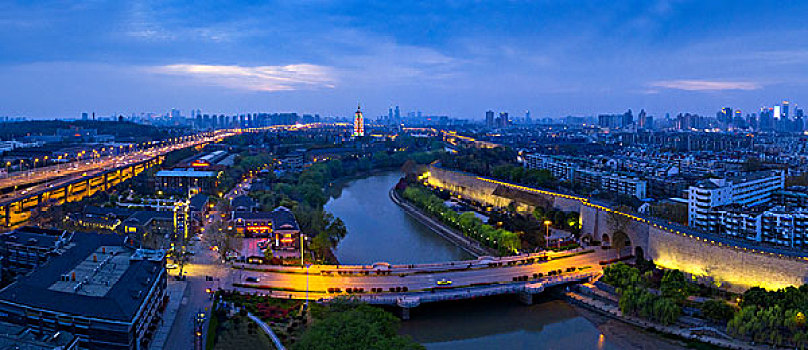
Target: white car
{"type": "Point", "coordinates": [171, 266]}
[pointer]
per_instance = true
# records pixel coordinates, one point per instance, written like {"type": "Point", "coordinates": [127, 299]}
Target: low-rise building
{"type": "Point", "coordinates": [280, 225]}
{"type": "Point", "coordinates": [18, 337]}
{"type": "Point", "coordinates": [107, 294]}
{"type": "Point", "coordinates": [180, 181]}
{"type": "Point", "coordinates": [28, 247]}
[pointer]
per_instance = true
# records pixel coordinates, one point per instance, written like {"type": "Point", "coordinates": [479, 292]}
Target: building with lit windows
{"type": "Point", "coordinates": [280, 225]}
{"type": "Point", "coordinates": [180, 180]}
{"type": "Point", "coordinates": [358, 123]}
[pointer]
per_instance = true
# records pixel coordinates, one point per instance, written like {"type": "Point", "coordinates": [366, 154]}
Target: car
{"type": "Point", "coordinates": [253, 279]}
{"type": "Point", "coordinates": [171, 266]}
{"type": "Point", "coordinates": [444, 282]}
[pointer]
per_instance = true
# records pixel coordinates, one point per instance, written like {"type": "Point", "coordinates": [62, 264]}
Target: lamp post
{"type": "Point", "coordinates": [547, 224]}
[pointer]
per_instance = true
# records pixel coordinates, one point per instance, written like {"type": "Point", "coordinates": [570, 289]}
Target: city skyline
{"type": "Point", "coordinates": [446, 58]}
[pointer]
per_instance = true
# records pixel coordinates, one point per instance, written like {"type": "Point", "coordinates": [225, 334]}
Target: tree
{"type": "Point", "coordinates": [227, 242]}
{"type": "Point", "coordinates": [674, 285]}
{"type": "Point", "coordinates": [717, 310]}
{"type": "Point", "coordinates": [355, 327]}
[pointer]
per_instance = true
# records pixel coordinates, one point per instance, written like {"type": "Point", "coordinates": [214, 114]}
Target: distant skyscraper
{"type": "Point", "coordinates": [504, 120]}
{"type": "Point", "coordinates": [359, 122]}
{"type": "Point", "coordinates": [642, 120]}
{"type": "Point", "coordinates": [489, 119]}
{"type": "Point", "coordinates": [778, 112]}
{"type": "Point", "coordinates": [725, 116]}
{"type": "Point", "coordinates": [785, 109]}
{"type": "Point", "coordinates": [397, 115]}
{"type": "Point", "coordinates": [85, 116]}
{"type": "Point", "coordinates": [527, 117]}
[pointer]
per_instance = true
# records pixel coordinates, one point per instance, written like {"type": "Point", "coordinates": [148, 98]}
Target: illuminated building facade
{"type": "Point", "coordinates": [279, 225]}
{"type": "Point", "coordinates": [358, 123]}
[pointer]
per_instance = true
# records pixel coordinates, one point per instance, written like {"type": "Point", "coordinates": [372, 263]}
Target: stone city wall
{"type": "Point", "coordinates": [728, 267]}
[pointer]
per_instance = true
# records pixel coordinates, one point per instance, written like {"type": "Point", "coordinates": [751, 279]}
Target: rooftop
{"type": "Point", "coordinates": [186, 173]}
{"type": "Point", "coordinates": [112, 290]}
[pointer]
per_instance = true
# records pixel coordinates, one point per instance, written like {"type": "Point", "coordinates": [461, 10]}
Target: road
{"type": "Point", "coordinates": [315, 284]}
{"type": "Point", "coordinates": [318, 283]}
{"type": "Point", "coordinates": [84, 167]}
{"type": "Point", "coordinates": [204, 263]}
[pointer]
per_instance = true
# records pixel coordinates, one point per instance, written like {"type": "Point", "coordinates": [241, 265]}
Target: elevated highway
{"type": "Point", "coordinates": [48, 187]}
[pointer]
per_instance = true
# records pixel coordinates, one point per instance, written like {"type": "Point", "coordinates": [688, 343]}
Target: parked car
{"type": "Point", "coordinates": [171, 266]}
{"type": "Point", "coordinates": [253, 279]}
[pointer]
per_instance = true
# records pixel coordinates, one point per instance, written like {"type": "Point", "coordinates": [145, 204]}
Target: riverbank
{"type": "Point", "coordinates": [608, 309]}
{"type": "Point", "coordinates": [451, 235]}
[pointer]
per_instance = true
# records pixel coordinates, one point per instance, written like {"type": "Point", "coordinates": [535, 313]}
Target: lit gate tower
{"type": "Point", "coordinates": [358, 123]}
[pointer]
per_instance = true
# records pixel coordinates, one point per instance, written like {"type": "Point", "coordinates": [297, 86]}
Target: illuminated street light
{"type": "Point", "coordinates": [547, 224]}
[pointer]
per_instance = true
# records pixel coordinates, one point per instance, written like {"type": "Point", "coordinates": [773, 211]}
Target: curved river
{"type": "Point", "coordinates": [378, 230]}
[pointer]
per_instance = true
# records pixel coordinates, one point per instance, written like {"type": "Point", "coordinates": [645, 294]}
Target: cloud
{"type": "Point", "coordinates": [257, 78]}
{"type": "Point", "coordinates": [706, 85]}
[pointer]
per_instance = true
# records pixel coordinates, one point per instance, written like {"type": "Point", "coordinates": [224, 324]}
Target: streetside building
{"type": "Point", "coordinates": [104, 292]}
{"type": "Point", "coordinates": [280, 225]}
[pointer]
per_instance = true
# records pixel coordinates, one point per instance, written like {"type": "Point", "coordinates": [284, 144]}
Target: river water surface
{"type": "Point", "coordinates": [378, 230]}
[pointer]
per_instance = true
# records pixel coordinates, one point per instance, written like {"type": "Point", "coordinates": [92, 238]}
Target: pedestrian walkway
{"type": "Point", "coordinates": [268, 331]}
{"type": "Point", "coordinates": [175, 291]}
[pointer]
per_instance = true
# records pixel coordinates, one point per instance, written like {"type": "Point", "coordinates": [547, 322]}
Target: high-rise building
{"type": "Point", "coordinates": [778, 112]}
{"type": "Point", "coordinates": [785, 110]}
{"type": "Point", "coordinates": [85, 116]}
{"type": "Point", "coordinates": [504, 120]}
{"type": "Point", "coordinates": [359, 122]}
{"type": "Point", "coordinates": [489, 119]}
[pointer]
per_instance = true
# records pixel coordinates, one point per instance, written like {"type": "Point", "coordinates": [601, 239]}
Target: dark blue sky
{"type": "Point", "coordinates": [554, 58]}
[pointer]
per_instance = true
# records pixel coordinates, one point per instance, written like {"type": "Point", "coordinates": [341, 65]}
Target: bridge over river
{"type": "Point", "coordinates": [408, 286]}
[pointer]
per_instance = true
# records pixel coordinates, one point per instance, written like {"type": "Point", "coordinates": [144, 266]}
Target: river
{"type": "Point", "coordinates": [378, 230]}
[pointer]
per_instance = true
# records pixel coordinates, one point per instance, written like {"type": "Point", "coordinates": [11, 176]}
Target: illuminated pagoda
{"type": "Point", "coordinates": [358, 123]}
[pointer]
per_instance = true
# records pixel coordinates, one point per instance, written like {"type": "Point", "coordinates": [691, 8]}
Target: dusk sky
{"type": "Point", "coordinates": [456, 58]}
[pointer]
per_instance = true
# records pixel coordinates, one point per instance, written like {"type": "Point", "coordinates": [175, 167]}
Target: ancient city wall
{"type": "Point", "coordinates": [725, 266]}
{"type": "Point", "coordinates": [721, 265]}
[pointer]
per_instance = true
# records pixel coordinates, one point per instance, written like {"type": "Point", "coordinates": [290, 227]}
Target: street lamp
{"type": "Point", "coordinates": [547, 224]}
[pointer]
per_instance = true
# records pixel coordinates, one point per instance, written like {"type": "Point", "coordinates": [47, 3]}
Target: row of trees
{"type": "Point", "coordinates": [506, 242]}
{"type": "Point", "coordinates": [637, 299]}
{"type": "Point", "coordinates": [776, 317]}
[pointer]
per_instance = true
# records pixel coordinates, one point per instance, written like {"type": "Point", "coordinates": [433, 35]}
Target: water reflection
{"type": "Point", "coordinates": [378, 230]}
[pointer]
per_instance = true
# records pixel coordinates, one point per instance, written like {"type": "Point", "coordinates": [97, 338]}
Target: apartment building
{"type": "Point", "coordinates": [751, 190]}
